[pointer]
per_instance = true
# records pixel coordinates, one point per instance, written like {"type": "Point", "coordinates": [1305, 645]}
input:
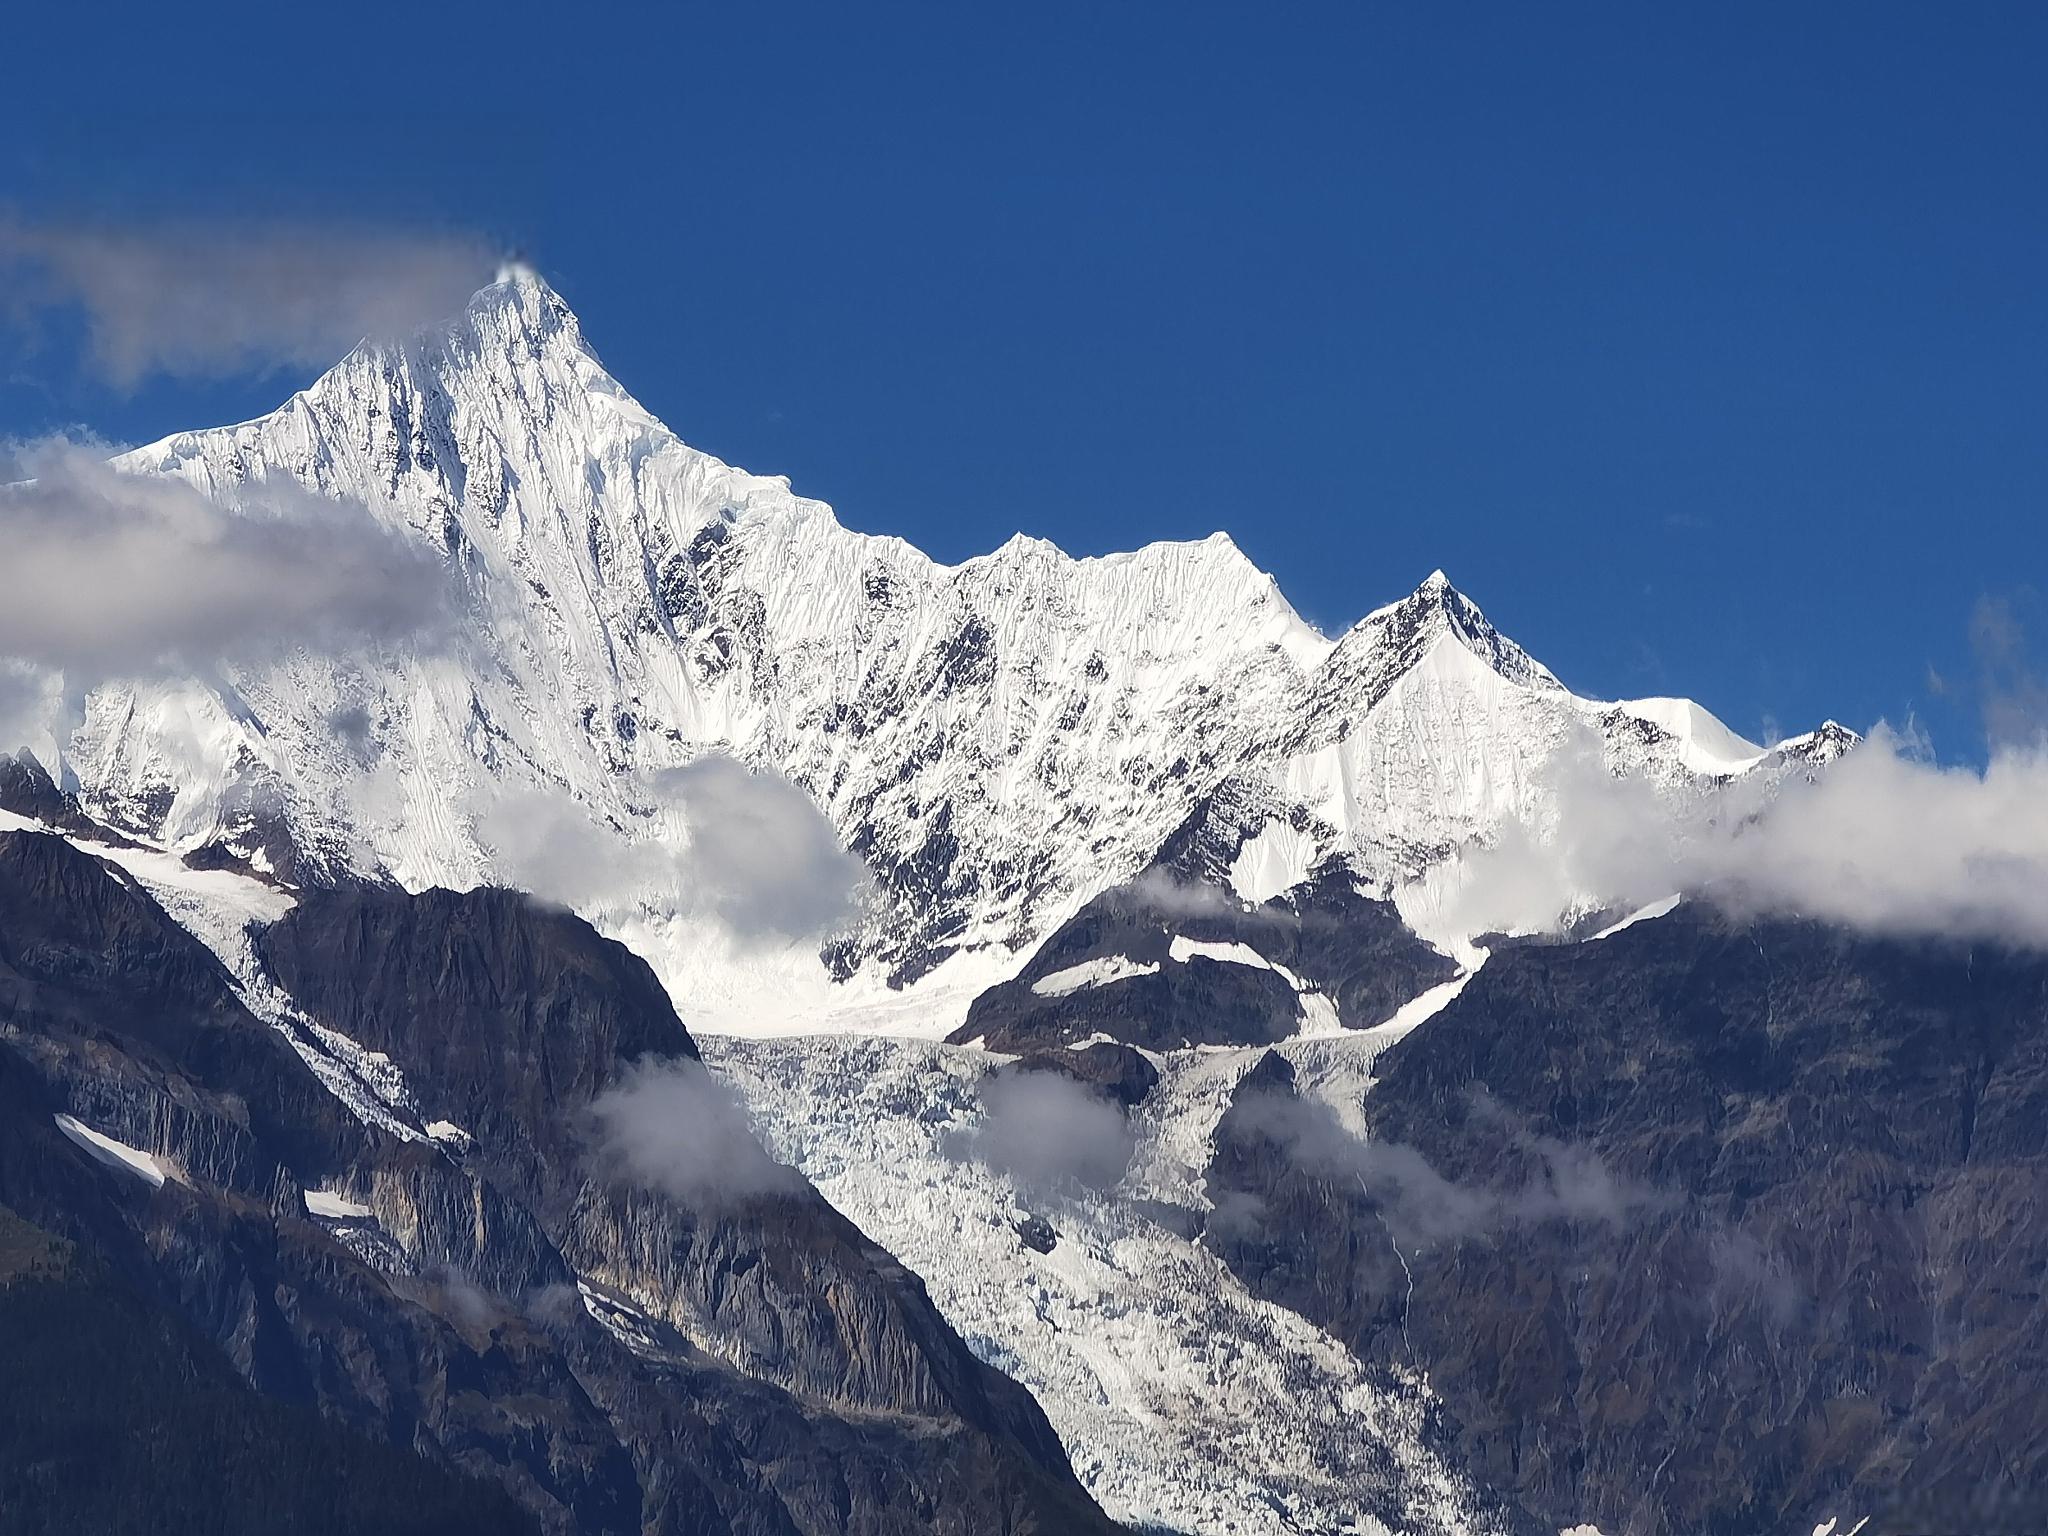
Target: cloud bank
{"type": "Point", "coordinates": [1883, 840]}
{"type": "Point", "coordinates": [747, 850]}
{"type": "Point", "coordinates": [1045, 1130]}
{"type": "Point", "coordinates": [215, 299]}
{"type": "Point", "coordinates": [674, 1128]}
{"type": "Point", "coordinates": [112, 574]}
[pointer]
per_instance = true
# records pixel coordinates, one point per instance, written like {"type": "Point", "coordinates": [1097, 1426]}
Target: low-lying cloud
{"type": "Point", "coordinates": [763, 858]}
{"type": "Point", "coordinates": [1046, 1131]}
{"type": "Point", "coordinates": [1883, 840]}
{"type": "Point", "coordinates": [109, 573]}
{"type": "Point", "coordinates": [1162, 892]}
{"type": "Point", "coordinates": [111, 576]}
{"type": "Point", "coordinates": [1569, 1181]}
{"type": "Point", "coordinates": [228, 297]}
{"type": "Point", "coordinates": [672, 1127]}
{"type": "Point", "coordinates": [746, 849]}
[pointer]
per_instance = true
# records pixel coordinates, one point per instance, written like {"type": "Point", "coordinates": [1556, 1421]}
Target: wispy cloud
{"type": "Point", "coordinates": [1568, 1181]}
{"type": "Point", "coordinates": [673, 1127]}
{"type": "Point", "coordinates": [1046, 1130]}
{"type": "Point", "coordinates": [111, 575]}
{"type": "Point", "coordinates": [210, 299]}
{"type": "Point", "coordinates": [1884, 840]}
{"type": "Point", "coordinates": [746, 849]}
{"type": "Point", "coordinates": [2014, 693]}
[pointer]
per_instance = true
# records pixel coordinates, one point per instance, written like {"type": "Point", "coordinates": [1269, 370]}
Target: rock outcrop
{"type": "Point", "coordinates": [508, 1295]}
{"type": "Point", "coordinates": [1705, 1226]}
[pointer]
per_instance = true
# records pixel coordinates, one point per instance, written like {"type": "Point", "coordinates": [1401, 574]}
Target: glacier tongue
{"type": "Point", "coordinates": [1184, 1402]}
{"type": "Point", "coordinates": [996, 740]}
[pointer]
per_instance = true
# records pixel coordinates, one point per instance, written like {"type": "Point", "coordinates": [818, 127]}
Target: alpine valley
{"type": "Point", "coordinates": [1108, 1120]}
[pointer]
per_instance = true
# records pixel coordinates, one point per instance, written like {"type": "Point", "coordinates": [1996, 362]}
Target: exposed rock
{"type": "Point", "coordinates": [1146, 964]}
{"type": "Point", "coordinates": [1702, 1227]}
{"type": "Point", "coordinates": [27, 789]}
{"type": "Point", "coordinates": [754, 1365]}
{"type": "Point", "coordinates": [1120, 1071]}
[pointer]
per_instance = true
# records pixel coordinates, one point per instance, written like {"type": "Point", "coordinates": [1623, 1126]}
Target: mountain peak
{"type": "Point", "coordinates": [514, 273]}
{"type": "Point", "coordinates": [518, 309]}
{"type": "Point", "coordinates": [1389, 641]}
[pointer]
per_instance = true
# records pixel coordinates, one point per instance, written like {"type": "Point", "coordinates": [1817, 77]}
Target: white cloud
{"type": "Point", "coordinates": [673, 1127]}
{"type": "Point", "coordinates": [108, 576]}
{"type": "Point", "coordinates": [117, 574]}
{"type": "Point", "coordinates": [1884, 840]}
{"type": "Point", "coordinates": [747, 850]}
{"type": "Point", "coordinates": [1045, 1129]}
{"type": "Point", "coordinates": [546, 842]}
{"type": "Point", "coordinates": [763, 859]}
{"type": "Point", "coordinates": [214, 299]}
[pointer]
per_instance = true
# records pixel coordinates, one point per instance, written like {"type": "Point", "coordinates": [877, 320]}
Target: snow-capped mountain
{"type": "Point", "coordinates": [997, 740]}
{"type": "Point", "coordinates": [1299, 1294]}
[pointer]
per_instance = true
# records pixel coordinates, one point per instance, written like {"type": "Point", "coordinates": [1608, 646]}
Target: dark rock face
{"type": "Point", "coordinates": [1119, 1071]}
{"type": "Point", "coordinates": [1705, 1227]}
{"type": "Point", "coordinates": [1292, 1220]}
{"type": "Point", "coordinates": [1354, 949]}
{"type": "Point", "coordinates": [119, 1419]}
{"type": "Point", "coordinates": [27, 789]}
{"type": "Point", "coordinates": [746, 1364]}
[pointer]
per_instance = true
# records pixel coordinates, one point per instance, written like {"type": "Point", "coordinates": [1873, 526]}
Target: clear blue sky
{"type": "Point", "coordinates": [1705, 347]}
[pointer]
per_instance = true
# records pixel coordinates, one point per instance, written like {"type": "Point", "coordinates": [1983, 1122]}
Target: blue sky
{"type": "Point", "coordinates": [1708, 352]}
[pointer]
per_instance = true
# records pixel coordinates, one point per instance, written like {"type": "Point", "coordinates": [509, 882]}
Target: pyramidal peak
{"type": "Point", "coordinates": [516, 318]}
{"type": "Point", "coordinates": [1393, 639]}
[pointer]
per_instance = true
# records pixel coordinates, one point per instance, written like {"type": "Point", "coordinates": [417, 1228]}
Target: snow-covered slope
{"type": "Point", "coordinates": [997, 740]}
{"type": "Point", "coordinates": [1185, 1403]}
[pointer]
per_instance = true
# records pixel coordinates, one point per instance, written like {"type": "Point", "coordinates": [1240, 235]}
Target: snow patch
{"type": "Point", "coordinates": [114, 1154]}
{"type": "Point", "coordinates": [1655, 909]}
{"type": "Point", "coordinates": [624, 1320]}
{"type": "Point", "coordinates": [1092, 973]}
{"type": "Point", "coordinates": [1274, 861]}
{"type": "Point", "coordinates": [330, 1206]}
{"type": "Point", "coordinates": [1420, 1009]}
{"type": "Point", "coordinates": [1229, 952]}
{"type": "Point", "coordinates": [1317, 1010]}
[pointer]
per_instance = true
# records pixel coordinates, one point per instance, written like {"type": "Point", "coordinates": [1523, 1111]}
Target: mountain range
{"type": "Point", "coordinates": [996, 740]}
{"type": "Point", "coordinates": [1103, 1118]}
